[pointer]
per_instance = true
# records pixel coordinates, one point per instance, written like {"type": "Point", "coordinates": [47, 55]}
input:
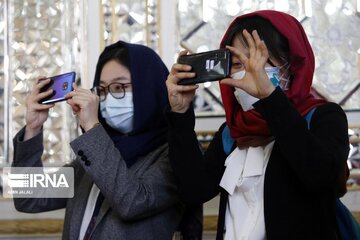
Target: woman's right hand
{"type": "Point", "coordinates": [36, 113]}
{"type": "Point", "coordinates": [180, 96]}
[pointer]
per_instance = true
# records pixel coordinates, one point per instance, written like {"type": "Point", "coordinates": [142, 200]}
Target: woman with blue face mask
{"type": "Point", "coordinates": [276, 169]}
{"type": "Point", "coordinates": [124, 185]}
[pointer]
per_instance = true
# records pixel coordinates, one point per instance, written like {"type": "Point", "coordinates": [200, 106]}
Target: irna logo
{"type": "Point", "coordinates": [37, 180]}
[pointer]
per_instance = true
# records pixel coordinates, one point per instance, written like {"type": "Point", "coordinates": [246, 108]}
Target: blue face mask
{"type": "Point", "coordinates": [119, 113]}
{"type": "Point", "coordinates": [275, 78]}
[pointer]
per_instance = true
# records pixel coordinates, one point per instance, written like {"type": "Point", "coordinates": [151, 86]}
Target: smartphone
{"type": "Point", "coordinates": [61, 85]}
{"type": "Point", "coordinates": [208, 66]}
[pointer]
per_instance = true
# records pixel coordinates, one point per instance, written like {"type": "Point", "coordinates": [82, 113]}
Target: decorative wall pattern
{"type": "Point", "coordinates": [131, 21]}
{"type": "Point", "coordinates": [42, 40]}
{"type": "Point", "coordinates": [336, 46]}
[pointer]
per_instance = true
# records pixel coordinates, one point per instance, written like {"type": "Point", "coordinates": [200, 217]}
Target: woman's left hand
{"type": "Point", "coordinates": [85, 105]}
{"type": "Point", "coordinates": [255, 82]}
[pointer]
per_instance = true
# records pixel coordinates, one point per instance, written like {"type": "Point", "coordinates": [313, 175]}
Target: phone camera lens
{"type": "Point", "coordinates": [65, 85]}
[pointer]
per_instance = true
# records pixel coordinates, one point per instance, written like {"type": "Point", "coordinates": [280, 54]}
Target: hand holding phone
{"type": "Point", "coordinates": [61, 85]}
{"type": "Point", "coordinates": [208, 66]}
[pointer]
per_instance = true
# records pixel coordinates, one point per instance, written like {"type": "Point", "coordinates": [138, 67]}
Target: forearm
{"type": "Point", "coordinates": [28, 154]}
{"type": "Point", "coordinates": [199, 175]}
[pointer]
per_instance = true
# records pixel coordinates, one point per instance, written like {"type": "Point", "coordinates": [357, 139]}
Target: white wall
{"type": "Point", "coordinates": [353, 118]}
{"type": "Point", "coordinates": [168, 31]}
{"type": "Point", "coordinates": [90, 21]}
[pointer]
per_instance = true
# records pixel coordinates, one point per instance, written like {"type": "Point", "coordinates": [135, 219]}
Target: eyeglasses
{"type": "Point", "coordinates": [117, 90]}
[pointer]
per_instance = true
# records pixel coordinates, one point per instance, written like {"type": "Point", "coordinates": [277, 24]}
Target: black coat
{"type": "Point", "coordinates": [300, 178]}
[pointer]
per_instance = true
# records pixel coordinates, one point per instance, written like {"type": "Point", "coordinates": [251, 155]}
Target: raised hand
{"type": "Point", "coordinates": [255, 82]}
{"type": "Point", "coordinates": [85, 105]}
{"type": "Point", "coordinates": [180, 96]}
{"type": "Point", "coordinates": [36, 113]}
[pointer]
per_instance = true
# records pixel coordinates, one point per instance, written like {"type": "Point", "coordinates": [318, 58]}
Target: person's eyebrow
{"type": "Point", "coordinates": [116, 79]}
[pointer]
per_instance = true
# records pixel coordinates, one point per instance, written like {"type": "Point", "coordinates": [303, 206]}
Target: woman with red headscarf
{"type": "Point", "coordinates": [280, 179]}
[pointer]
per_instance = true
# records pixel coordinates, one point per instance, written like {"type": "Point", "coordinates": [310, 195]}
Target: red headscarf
{"type": "Point", "coordinates": [248, 125]}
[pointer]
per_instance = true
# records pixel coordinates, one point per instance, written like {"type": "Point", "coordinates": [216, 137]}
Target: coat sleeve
{"type": "Point", "coordinates": [198, 173]}
{"type": "Point", "coordinates": [28, 154]}
{"type": "Point", "coordinates": [143, 190]}
{"type": "Point", "coordinates": [317, 155]}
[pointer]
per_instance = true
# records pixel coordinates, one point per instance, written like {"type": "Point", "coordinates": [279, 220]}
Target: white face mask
{"type": "Point", "coordinates": [246, 100]}
{"type": "Point", "coordinates": [243, 98]}
{"type": "Point", "coordinates": [119, 113]}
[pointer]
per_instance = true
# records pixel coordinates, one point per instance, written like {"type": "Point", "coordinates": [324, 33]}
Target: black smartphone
{"type": "Point", "coordinates": [61, 85]}
{"type": "Point", "coordinates": [208, 66]}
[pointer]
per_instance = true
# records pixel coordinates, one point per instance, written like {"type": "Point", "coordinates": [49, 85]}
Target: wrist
{"type": "Point", "coordinates": [271, 89]}
{"type": "Point", "coordinates": [31, 132]}
{"type": "Point", "coordinates": [91, 126]}
{"type": "Point", "coordinates": [179, 110]}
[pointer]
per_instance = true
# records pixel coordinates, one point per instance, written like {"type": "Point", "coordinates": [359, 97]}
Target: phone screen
{"type": "Point", "coordinates": [61, 85]}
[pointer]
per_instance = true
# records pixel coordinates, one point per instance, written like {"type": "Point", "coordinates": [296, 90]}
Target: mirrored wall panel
{"type": "Point", "coordinates": [134, 21]}
{"type": "Point", "coordinates": [41, 39]}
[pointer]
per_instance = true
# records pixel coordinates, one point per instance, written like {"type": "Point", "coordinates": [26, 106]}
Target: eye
{"type": "Point", "coordinates": [237, 65]}
{"type": "Point", "coordinates": [116, 88]}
